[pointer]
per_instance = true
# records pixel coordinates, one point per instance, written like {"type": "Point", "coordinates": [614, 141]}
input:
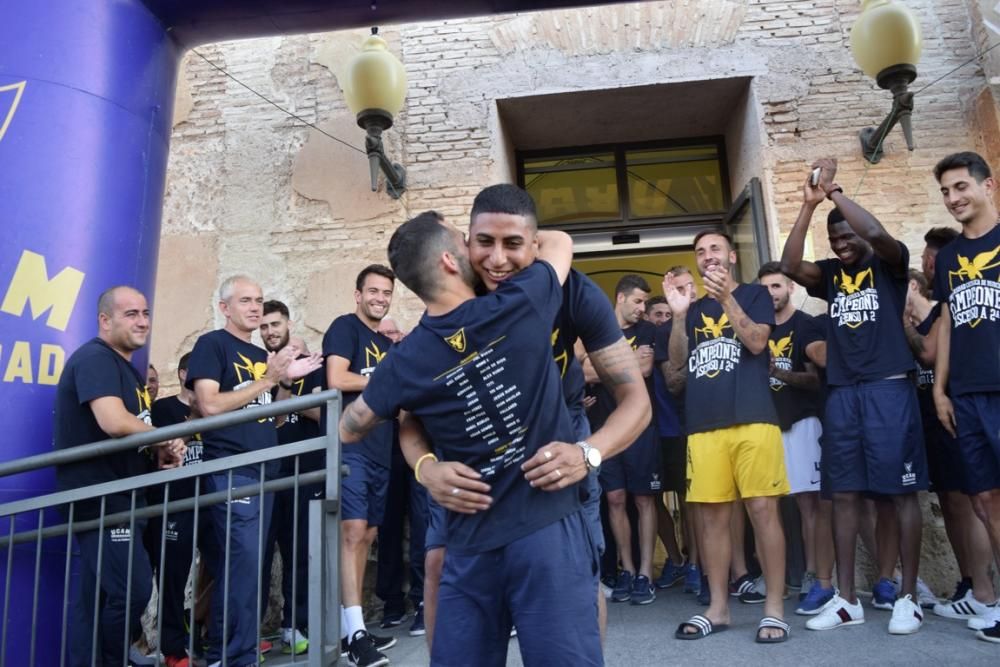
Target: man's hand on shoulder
{"type": "Point", "coordinates": [555, 466]}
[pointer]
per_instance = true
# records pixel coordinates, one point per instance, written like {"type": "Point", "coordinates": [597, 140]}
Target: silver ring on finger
{"type": "Point", "coordinates": [558, 473]}
{"type": "Point", "coordinates": [548, 455]}
{"type": "Point", "coordinates": [455, 491]}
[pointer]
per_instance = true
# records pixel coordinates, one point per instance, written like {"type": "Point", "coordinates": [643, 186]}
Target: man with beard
{"type": "Point", "coordinates": [503, 241]}
{"type": "Point", "coordinates": [479, 375]}
{"type": "Point", "coordinates": [873, 441]}
{"type": "Point", "coordinates": [718, 354]}
{"type": "Point", "coordinates": [353, 348]}
{"type": "Point", "coordinates": [275, 331]}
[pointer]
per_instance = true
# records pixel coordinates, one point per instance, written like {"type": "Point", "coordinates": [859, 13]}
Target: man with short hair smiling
{"type": "Point", "coordinates": [657, 311]}
{"type": "Point", "coordinates": [718, 354]}
{"type": "Point", "coordinates": [873, 441]}
{"type": "Point", "coordinates": [967, 369]}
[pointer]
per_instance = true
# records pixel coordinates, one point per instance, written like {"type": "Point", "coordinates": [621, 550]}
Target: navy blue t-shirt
{"type": "Point", "coordinates": [348, 337]}
{"type": "Point", "coordinates": [97, 371]}
{"type": "Point", "coordinates": [586, 315]}
{"type": "Point", "coordinates": [482, 381]}
{"type": "Point", "coordinates": [787, 346]}
{"type": "Point", "coordinates": [234, 363]}
{"type": "Point", "coordinates": [967, 277]}
{"type": "Point", "coordinates": [167, 412]}
{"type": "Point", "coordinates": [297, 428]}
{"type": "Point", "coordinates": [726, 384]}
{"type": "Point", "coordinates": [865, 339]}
{"type": "Point", "coordinates": [925, 378]}
{"type": "Point", "coordinates": [669, 408]}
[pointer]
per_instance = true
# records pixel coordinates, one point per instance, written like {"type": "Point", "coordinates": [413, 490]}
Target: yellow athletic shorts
{"type": "Point", "coordinates": [744, 461]}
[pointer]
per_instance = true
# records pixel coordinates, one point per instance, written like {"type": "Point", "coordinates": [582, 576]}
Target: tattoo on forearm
{"type": "Point", "coordinates": [615, 364]}
{"type": "Point", "coordinates": [357, 423]}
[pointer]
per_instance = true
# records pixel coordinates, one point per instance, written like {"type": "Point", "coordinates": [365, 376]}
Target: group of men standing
{"type": "Point", "coordinates": [486, 399]}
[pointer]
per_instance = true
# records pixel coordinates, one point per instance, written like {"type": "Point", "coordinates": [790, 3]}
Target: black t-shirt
{"type": "Point", "coordinates": [726, 384]}
{"type": "Point", "coordinates": [482, 380]}
{"type": "Point", "coordinates": [787, 346]}
{"type": "Point", "coordinates": [348, 337]}
{"type": "Point", "coordinates": [167, 412]}
{"type": "Point", "coordinates": [669, 408]}
{"type": "Point", "coordinates": [967, 277]}
{"type": "Point", "coordinates": [234, 364]}
{"type": "Point", "coordinates": [925, 376]}
{"type": "Point", "coordinates": [297, 427]}
{"type": "Point", "coordinates": [865, 339]}
{"type": "Point", "coordinates": [586, 315]}
{"type": "Point", "coordinates": [97, 371]}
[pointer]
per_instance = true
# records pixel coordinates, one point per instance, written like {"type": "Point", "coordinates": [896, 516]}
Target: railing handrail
{"type": "Point", "coordinates": [138, 440]}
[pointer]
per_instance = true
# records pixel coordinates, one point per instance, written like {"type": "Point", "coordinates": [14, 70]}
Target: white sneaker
{"type": "Point", "coordinates": [835, 613]}
{"type": "Point", "coordinates": [965, 607]}
{"type": "Point", "coordinates": [907, 617]}
{"type": "Point", "coordinates": [925, 596]}
{"type": "Point", "coordinates": [985, 620]}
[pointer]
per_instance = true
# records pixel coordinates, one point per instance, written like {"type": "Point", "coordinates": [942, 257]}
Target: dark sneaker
{"type": "Point", "coordinates": [671, 574]}
{"type": "Point", "coordinates": [961, 588]}
{"type": "Point", "coordinates": [418, 629]}
{"type": "Point", "coordinates": [884, 594]}
{"type": "Point", "coordinates": [381, 643]}
{"type": "Point", "coordinates": [705, 594]}
{"type": "Point", "coordinates": [362, 651]}
{"type": "Point", "coordinates": [742, 585]}
{"type": "Point", "coordinates": [756, 594]}
{"type": "Point", "coordinates": [392, 618]}
{"type": "Point", "coordinates": [642, 590]}
{"type": "Point", "coordinates": [623, 587]}
{"type": "Point", "coordinates": [692, 578]}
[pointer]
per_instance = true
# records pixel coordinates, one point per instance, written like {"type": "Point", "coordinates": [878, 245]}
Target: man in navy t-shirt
{"type": "Point", "coordinates": [227, 372]}
{"type": "Point", "coordinates": [636, 471]}
{"type": "Point", "coordinates": [353, 348]}
{"type": "Point", "coordinates": [967, 368]}
{"type": "Point", "coordinates": [873, 441]}
{"type": "Point", "coordinates": [479, 375]}
{"type": "Point", "coordinates": [101, 395]}
{"type": "Point", "coordinates": [503, 241]}
{"type": "Point", "coordinates": [718, 354]}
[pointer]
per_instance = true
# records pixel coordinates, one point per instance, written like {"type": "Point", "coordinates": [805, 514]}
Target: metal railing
{"type": "Point", "coordinates": [323, 529]}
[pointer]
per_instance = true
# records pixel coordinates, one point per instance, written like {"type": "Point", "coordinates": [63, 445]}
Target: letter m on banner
{"type": "Point", "coordinates": [31, 284]}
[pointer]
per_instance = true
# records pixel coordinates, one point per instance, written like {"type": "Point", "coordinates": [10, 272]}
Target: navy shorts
{"type": "Point", "coordinates": [944, 466]}
{"type": "Point", "coordinates": [437, 534]}
{"type": "Point", "coordinates": [873, 440]}
{"type": "Point", "coordinates": [363, 492]}
{"type": "Point", "coordinates": [673, 462]}
{"type": "Point", "coordinates": [978, 419]}
{"type": "Point", "coordinates": [544, 583]}
{"type": "Point", "coordinates": [637, 469]}
{"type": "Point", "coordinates": [590, 487]}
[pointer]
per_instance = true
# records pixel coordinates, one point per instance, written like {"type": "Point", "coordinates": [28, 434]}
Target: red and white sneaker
{"type": "Point", "coordinates": [907, 617]}
{"type": "Point", "coordinates": [836, 613]}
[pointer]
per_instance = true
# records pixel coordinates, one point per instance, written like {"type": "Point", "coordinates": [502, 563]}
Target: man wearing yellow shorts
{"type": "Point", "coordinates": [719, 358]}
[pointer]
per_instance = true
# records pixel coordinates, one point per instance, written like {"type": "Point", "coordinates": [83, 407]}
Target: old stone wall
{"type": "Point", "coordinates": [252, 190]}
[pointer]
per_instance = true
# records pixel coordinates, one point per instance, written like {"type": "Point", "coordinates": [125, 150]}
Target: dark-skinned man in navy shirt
{"type": "Point", "coordinates": [967, 367]}
{"type": "Point", "coordinates": [503, 241]}
{"type": "Point", "coordinates": [101, 395]}
{"type": "Point", "coordinates": [479, 374]}
{"type": "Point", "coordinates": [873, 440]}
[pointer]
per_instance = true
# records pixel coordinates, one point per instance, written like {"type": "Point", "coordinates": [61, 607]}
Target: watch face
{"type": "Point", "coordinates": [594, 458]}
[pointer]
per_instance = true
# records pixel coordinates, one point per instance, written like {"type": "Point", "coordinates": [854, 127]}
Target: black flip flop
{"type": "Point", "coordinates": [772, 622]}
{"type": "Point", "coordinates": [700, 623]}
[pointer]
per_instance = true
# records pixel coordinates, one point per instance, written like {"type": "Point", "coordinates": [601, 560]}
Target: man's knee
{"type": "Point", "coordinates": [616, 499]}
{"type": "Point", "coordinates": [645, 503]}
{"type": "Point", "coordinates": [354, 533]}
{"type": "Point", "coordinates": [761, 509]}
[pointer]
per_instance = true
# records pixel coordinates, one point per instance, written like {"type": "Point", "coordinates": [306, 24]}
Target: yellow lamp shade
{"type": "Point", "coordinates": [885, 34]}
{"type": "Point", "coordinates": [375, 79]}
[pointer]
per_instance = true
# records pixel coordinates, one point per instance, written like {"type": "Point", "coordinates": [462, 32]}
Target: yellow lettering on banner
{"type": "Point", "coordinates": [19, 363]}
{"type": "Point", "coordinates": [31, 284]}
{"type": "Point", "coordinates": [51, 360]}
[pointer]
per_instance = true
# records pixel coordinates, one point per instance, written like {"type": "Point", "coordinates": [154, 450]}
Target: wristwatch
{"type": "Point", "coordinates": [591, 455]}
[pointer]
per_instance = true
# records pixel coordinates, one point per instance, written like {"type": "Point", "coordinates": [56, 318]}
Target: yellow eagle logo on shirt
{"type": "Point", "coordinates": [373, 355]}
{"type": "Point", "coordinates": [972, 270]}
{"type": "Point", "coordinates": [254, 370]}
{"type": "Point", "coordinates": [781, 347]}
{"type": "Point", "coordinates": [852, 284]}
{"type": "Point", "coordinates": [561, 359]}
{"type": "Point", "coordinates": [145, 402]}
{"type": "Point", "coordinates": [712, 328]}
{"type": "Point", "coordinates": [457, 340]}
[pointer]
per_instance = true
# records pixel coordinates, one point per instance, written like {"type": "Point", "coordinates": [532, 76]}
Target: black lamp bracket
{"type": "Point", "coordinates": [374, 122]}
{"type": "Point", "coordinates": [897, 79]}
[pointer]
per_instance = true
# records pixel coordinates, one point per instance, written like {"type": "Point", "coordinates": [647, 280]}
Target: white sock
{"type": "Point", "coordinates": [343, 623]}
{"type": "Point", "coordinates": [355, 620]}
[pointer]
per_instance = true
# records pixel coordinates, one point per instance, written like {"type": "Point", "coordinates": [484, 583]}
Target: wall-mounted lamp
{"type": "Point", "coordinates": [374, 89]}
{"type": "Point", "coordinates": [885, 42]}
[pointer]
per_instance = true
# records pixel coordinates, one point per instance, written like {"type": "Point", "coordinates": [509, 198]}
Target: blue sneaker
{"type": "Point", "coordinates": [692, 578]}
{"type": "Point", "coordinates": [623, 587]}
{"type": "Point", "coordinates": [642, 590]}
{"type": "Point", "coordinates": [671, 574]}
{"type": "Point", "coordinates": [704, 593]}
{"type": "Point", "coordinates": [884, 594]}
{"type": "Point", "coordinates": [814, 600]}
